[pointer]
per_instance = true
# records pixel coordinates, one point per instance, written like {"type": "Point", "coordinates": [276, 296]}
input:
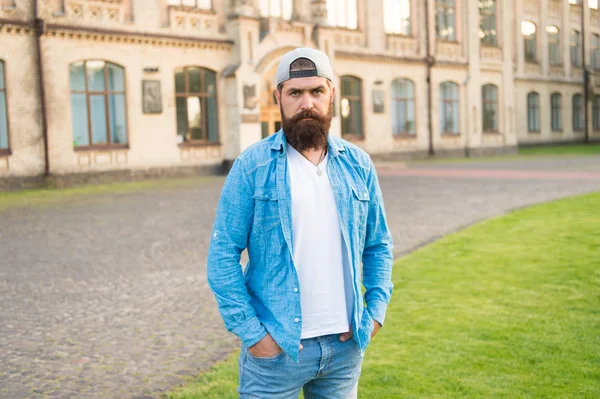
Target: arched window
{"type": "Point", "coordinates": [595, 51]}
{"type": "Point", "coordinates": [98, 107]}
{"type": "Point", "coordinates": [596, 113]}
{"type": "Point", "coordinates": [553, 45]}
{"type": "Point", "coordinates": [528, 30]}
{"type": "Point", "coordinates": [397, 17]}
{"type": "Point", "coordinates": [201, 4]}
{"type": "Point", "coordinates": [578, 112]}
{"type": "Point", "coordinates": [449, 108]}
{"type": "Point", "coordinates": [445, 20]}
{"type": "Point", "coordinates": [576, 48]}
{"type": "Point", "coordinates": [533, 112]}
{"type": "Point", "coordinates": [351, 106]}
{"type": "Point", "coordinates": [342, 13]}
{"type": "Point", "coordinates": [487, 23]}
{"type": "Point", "coordinates": [403, 107]}
{"type": "Point", "coordinates": [196, 105]}
{"type": "Point", "coordinates": [556, 111]}
{"type": "Point", "coordinates": [489, 99]}
{"type": "Point", "coordinates": [4, 145]}
{"type": "Point", "coordinates": [277, 8]}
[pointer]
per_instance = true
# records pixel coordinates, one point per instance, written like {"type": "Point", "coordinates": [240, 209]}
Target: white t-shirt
{"type": "Point", "coordinates": [319, 252]}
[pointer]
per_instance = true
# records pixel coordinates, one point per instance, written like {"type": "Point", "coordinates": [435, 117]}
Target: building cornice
{"type": "Point", "coordinates": [390, 59]}
{"type": "Point", "coordinates": [112, 35]}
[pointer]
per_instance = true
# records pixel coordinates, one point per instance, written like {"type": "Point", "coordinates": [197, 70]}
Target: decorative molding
{"type": "Point", "coordinates": [531, 6]}
{"type": "Point", "coordinates": [193, 20]}
{"type": "Point", "coordinates": [9, 27]}
{"type": "Point", "coordinates": [115, 36]}
{"type": "Point", "coordinates": [555, 8]}
{"type": "Point", "coordinates": [95, 10]}
{"type": "Point", "coordinates": [489, 53]}
{"type": "Point", "coordinates": [387, 59]}
{"type": "Point", "coordinates": [402, 45]}
{"type": "Point", "coordinates": [350, 38]}
{"type": "Point", "coordinates": [449, 50]}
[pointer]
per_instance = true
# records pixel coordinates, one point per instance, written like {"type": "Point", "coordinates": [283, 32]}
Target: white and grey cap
{"type": "Point", "coordinates": [319, 58]}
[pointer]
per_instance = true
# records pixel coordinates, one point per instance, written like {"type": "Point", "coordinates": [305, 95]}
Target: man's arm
{"type": "Point", "coordinates": [377, 254]}
{"type": "Point", "coordinates": [229, 238]}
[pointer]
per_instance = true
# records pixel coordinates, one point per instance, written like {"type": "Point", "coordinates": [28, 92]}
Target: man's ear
{"type": "Point", "coordinates": [332, 95]}
{"type": "Point", "coordinates": [277, 96]}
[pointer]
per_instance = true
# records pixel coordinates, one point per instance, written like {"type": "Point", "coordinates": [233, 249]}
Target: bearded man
{"type": "Point", "coordinates": [308, 207]}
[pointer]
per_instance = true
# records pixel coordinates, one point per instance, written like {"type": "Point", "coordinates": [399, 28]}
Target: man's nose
{"type": "Point", "coordinates": [307, 102]}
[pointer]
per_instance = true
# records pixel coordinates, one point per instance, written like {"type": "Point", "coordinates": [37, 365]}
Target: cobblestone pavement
{"type": "Point", "coordinates": [105, 296]}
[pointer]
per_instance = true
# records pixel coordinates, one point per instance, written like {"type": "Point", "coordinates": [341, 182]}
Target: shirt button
{"type": "Point", "coordinates": [296, 320]}
{"type": "Point", "coordinates": [295, 289]}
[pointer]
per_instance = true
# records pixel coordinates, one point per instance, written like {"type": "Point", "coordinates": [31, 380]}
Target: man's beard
{"type": "Point", "coordinates": [309, 133]}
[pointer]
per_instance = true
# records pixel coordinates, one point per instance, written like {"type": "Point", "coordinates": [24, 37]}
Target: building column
{"type": "Point", "coordinates": [473, 102]}
{"type": "Point", "coordinates": [509, 114]}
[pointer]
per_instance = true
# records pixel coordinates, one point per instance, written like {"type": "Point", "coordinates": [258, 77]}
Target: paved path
{"type": "Point", "coordinates": [105, 296]}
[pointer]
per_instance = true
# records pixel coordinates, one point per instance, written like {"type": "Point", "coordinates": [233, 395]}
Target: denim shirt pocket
{"type": "Point", "coordinates": [266, 209]}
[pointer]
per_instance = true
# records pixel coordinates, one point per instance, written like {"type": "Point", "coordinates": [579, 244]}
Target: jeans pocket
{"type": "Point", "coordinates": [267, 359]}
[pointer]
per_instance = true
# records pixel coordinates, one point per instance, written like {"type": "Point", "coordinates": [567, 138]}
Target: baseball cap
{"type": "Point", "coordinates": [319, 58]}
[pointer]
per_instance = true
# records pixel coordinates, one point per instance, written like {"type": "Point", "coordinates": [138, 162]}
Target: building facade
{"type": "Point", "coordinates": [91, 86]}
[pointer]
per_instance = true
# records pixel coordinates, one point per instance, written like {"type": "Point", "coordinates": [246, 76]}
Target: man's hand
{"type": "Point", "coordinates": [347, 335]}
{"type": "Point", "coordinates": [266, 347]}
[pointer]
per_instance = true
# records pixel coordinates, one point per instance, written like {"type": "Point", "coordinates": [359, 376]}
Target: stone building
{"type": "Point", "coordinates": [143, 86]}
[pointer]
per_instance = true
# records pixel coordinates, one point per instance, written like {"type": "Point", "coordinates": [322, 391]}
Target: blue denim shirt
{"type": "Point", "coordinates": [254, 212]}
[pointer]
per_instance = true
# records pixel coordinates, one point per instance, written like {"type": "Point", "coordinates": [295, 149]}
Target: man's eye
{"type": "Point", "coordinates": [318, 91]}
{"type": "Point", "coordinates": [294, 93]}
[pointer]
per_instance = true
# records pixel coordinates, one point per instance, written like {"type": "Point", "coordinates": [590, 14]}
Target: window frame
{"type": "Point", "coordinates": [203, 94]}
{"type": "Point", "coordinates": [444, 104]}
{"type": "Point", "coordinates": [409, 31]}
{"type": "Point", "coordinates": [595, 51]}
{"type": "Point", "coordinates": [445, 7]}
{"type": "Point", "coordinates": [281, 8]}
{"type": "Point", "coordinates": [106, 93]}
{"type": "Point", "coordinates": [556, 42]}
{"type": "Point", "coordinates": [577, 48]}
{"type": "Point", "coordinates": [556, 111]}
{"type": "Point", "coordinates": [335, 6]}
{"type": "Point", "coordinates": [482, 17]}
{"type": "Point", "coordinates": [577, 121]}
{"type": "Point", "coordinates": [536, 107]}
{"type": "Point", "coordinates": [404, 101]}
{"type": "Point", "coordinates": [7, 150]}
{"type": "Point", "coordinates": [532, 38]}
{"type": "Point", "coordinates": [351, 98]}
{"type": "Point", "coordinates": [596, 113]}
{"type": "Point", "coordinates": [495, 103]}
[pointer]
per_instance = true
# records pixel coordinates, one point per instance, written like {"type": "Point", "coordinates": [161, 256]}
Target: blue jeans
{"type": "Point", "coordinates": [327, 368]}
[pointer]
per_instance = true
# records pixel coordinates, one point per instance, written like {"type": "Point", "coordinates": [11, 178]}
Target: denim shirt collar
{"type": "Point", "coordinates": [334, 144]}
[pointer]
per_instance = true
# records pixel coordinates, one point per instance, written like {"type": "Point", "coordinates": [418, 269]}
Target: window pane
{"type": "Point", "coordinates": [212, 119]}
{"type": "Point", "coordinates": [77, 76]}
{"type": "Point", "coordinates": [352, 14]}
{"type": "Point", "coordinates": [98, 111]}
{"type": "Point", "coordinates": [194, 75]}
{"type": "Point", "coordinates": [194, 118]}
{"type": "Point", "coordinates": [95, 70]}
{"type": "Point", "coordinates": [182, 121]}
{"type": "Point", "coordinates": [118, 125]}
{"type": "Point", "coordinates": [188, 3]}
{"type": "Point", "coordinates": [79, 120]}
{"type": "Point", "coordinates": [410, 122]}
{"type": "Point", "coordinates": [116, 78]}
{"type": "Point", "coordinates": [210, 83]}
{"type": "Point", "coordinates": [356, 116]}
{"type": "Point", "coordinates": [205, 4]}
{"type": "Point", "coordinates": [3, 121]}
{"type": "Point", "coordinates": [179, 81]}
{"type": "Point", "coordinates": [264, 8]}
{"type": "Point", "coordinates": [287, 10]}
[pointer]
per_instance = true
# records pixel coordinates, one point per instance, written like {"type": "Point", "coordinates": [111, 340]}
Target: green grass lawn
{"type": "Point", "coordinates": [508, 308]}
{"type": "Point", "coordinates": [572, 149]}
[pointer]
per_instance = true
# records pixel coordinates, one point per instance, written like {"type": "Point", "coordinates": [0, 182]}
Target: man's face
{"type": "Point", "coordinates": [306, 105]}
